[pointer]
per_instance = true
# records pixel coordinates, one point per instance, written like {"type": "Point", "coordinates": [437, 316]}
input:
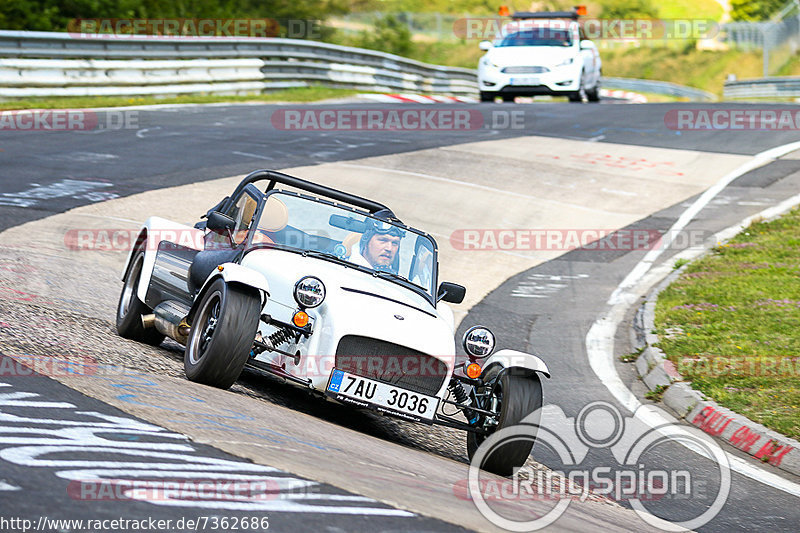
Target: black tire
{"type": "Point", "coordinates": [130, 308]}
{"type": "Point", "coordinates": [488, 96]}
{"type": "Point", "coordinates": [519, 397]}
{"type": "Point", "coordinates": [222, 334]}
{"type": "Point", "coordinates": [508, 98]}
{"type": "Point", "coordinates": [593, 94]}
{"type": "Point", "coordinates": [578, 95]}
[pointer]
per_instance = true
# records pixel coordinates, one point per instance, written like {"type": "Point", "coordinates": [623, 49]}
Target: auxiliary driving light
{"type": "Point", "coordinates": [473, 370]}
{"type": "Point", "coordinates": [309, 292]}
{"type": "Point", "coordinates": [300, 319]}
{"type": "Point", "coordinates": [478, 341]}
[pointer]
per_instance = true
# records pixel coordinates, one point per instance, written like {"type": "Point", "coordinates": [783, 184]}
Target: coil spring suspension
{"type": "Point", "coordinates": [280, 336]}
{"type": "Point", "coordinates": [457, 390]}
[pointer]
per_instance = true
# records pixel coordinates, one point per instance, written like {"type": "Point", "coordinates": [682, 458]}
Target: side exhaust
{"type": "Point", "coordinates": [169, 318]}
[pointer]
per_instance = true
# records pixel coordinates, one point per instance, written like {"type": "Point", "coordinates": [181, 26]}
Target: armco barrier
{"type": "Point", "coordinates": [60, 64]}
{"type": "Point", "coordinates": [658, 87]}
{"type": "Point", "coordinates": [776, 87]}
{"type": "Point", "coordinates": [42, 64]}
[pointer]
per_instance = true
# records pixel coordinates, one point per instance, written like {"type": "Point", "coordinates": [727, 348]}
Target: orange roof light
{"type": "Point", "coordinates": [300, 319]}
{"type": "Point", "coordinates": [473, 370]}
{"type": "Point", "coordinates": [504, 11]}
{"type": "Point", "coordinates": [580, 10]}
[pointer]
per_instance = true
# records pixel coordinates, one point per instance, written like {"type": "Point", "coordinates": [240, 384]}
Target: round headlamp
{"type": "Point", "coordinates": [309, 292]}
{"type": "Point", "coordinates": [478, 341]}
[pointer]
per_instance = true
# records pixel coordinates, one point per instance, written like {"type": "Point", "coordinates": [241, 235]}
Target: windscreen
{"type": "Point", "coordinates": [306, 224]}
{"type": "Point", "coordinates": [542, 36]}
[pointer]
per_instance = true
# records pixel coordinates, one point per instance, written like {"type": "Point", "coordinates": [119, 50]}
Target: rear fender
{"type": "Point", "coordinates": [153, 231]}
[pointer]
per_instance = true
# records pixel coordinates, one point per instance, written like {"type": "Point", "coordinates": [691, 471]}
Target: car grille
{"type": "Point", "coordinates": [390, 363]}
{"type": "Point", "coordinates": [525, 70]}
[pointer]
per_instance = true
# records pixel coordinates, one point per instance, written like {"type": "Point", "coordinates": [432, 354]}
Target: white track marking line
{"type": "Point", "coordinates": [418, 98]}
{"type": "Point", "coordinates": [7, 486]}
{"type": "Point", "coordinates": [600, 338]}
{"type": "Point", "coordinates": [247, 154]}
{"type": "Point", "coordinates": [644, 265]}
{"type": "Point", "coordinates": [477, 186]}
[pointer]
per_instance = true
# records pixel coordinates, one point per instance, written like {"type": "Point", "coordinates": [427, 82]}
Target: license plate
{"type": "Point", "coordinates": [365, 392]}
{"type": "Point", "coordinates": [525, 81]}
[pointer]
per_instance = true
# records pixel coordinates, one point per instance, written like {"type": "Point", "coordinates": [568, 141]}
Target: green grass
{"type": "Point", "coordinates": [730, 324]}
{"type": "Point", "coordinates": [690, 9]}
{"type": "Point", "coordinates": [304, 94]}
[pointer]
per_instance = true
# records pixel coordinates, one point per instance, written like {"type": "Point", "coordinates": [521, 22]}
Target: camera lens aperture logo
{"type": "Point", "coordinates": [675, 477]}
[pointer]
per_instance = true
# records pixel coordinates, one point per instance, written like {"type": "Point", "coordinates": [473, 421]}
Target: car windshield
{"type": "Point", "coordinates": [537, 37]}
{"type": "Point", "coordinates": [302, 223]}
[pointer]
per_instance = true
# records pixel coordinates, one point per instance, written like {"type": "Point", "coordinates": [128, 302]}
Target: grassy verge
{"type": "Point", "coordinates": [730, 324]}
{"type": "Point", "coordinates": [303, 94]}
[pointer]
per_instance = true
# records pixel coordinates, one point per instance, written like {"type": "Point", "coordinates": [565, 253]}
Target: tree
{"type": "Point", "coordinates": [629, 9]}
{"type": "Point", "coordinates": [755, 10]}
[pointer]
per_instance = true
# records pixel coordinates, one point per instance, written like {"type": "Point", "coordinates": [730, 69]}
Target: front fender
{"type": "Point", "coordinates": [235, 273]}
{"type": "Point", "coordinates": [508, 359]}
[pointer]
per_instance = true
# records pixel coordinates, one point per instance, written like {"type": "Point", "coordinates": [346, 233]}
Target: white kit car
{"type": "Point", "coordinates": [540, 54]}
{"type": "Point", "coordinates": [331, 292]}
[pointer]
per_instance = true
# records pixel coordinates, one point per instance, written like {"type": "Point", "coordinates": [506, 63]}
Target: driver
{"type": "Point", "coordinates": [379, 245]}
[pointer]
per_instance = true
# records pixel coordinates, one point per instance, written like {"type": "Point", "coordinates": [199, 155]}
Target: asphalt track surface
{"type": "Point", "coordinates": [184, 145]}
{"type": "Point", "coordinates": [180, 145]}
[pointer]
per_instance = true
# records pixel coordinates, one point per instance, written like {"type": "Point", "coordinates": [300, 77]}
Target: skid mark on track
{"type": "Point", "coordinates": [77, 189]}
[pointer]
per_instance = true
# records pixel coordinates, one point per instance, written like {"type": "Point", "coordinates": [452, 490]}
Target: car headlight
{"type": "Point", "coordinates": [487, 62]}
{"type": "Point", "coordinates": [478, 341]}
{"type": "Point", "coordinates": [309, 292]}
{"type": "Point", "coordinates": [566, 62]}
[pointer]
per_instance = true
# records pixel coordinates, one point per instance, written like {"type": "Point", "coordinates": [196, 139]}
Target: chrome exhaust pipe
{"type": "Point", "coordinates": [170, 319]}
{"type": "Point", "coordinates": [148, 321]}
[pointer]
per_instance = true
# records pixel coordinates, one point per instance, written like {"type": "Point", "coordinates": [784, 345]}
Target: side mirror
{"type": "Point", "coordinates": [451, 292]}
{"type": "Point", "coordinates": [485, 45]}
{"type": "Point", "coordinates": [220, 222]}
{"type": "Point", "coordinates": [586, 44]}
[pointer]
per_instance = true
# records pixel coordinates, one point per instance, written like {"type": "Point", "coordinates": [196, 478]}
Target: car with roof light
{"type": "Point", "coordinates": [540, 53]}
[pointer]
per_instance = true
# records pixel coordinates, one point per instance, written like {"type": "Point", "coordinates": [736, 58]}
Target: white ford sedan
{"type": "Point", "coordinates": [540, 54]}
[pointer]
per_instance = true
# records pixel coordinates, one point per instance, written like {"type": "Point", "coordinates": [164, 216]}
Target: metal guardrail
{"type": "Point", "coordinates": [45, 64]}
{"type": "Point", "coordinates": [62, 64]}
{"type": "Point", "coordinates": [658, 87]}
{"type": "Point", "coordinates": [775, 87]}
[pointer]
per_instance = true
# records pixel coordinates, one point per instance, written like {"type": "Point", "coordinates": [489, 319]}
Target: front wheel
{"type": "Point", "coordinates": [487, 96]}
{"type": "Point", "coordinates": [518, 396]}
{"type": "Point", "coordinates": [593, 94]}
{"type": "Point", "coordinates": [222, 334]}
